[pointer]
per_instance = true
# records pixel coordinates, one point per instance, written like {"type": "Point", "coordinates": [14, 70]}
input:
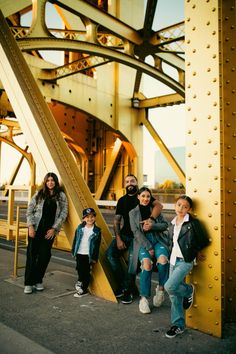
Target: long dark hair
{"type": "Point", "coordinates": [44, 192]}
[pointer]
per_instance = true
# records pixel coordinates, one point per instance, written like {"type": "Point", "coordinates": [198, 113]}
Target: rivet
{"type": "Point", "coordinates": [210, 286]}
{"type": "Point", "coordinates": [230, 278]}
{"type": "Point", "coordinates": [194, 119]}
{"type": "Point", "coordinates": [208, 70]}
{"type": "Point", "coordinates": [227, 81]}
{"type": "Point", "coordinates": [229, 260]}
{"type": "Point", "coordinates": [214, 56]}
{"type": "Point", "coordinates": [216, 278]}
{"type": "Point", "coordinates": [216, 202]}
{"type": "Point", "coordinates": [194, 50]}
{"type": "Point", "coordinates": [209, 93]}
{"type": "Point", "coordinates": [215, 104]}
{"type": "Point", "coordinates": [208, 46]}
{"type": "Point", "coordinates": [229, 236]}
{"type": "Point", "coordinates": [194, 6]}
{"type": "Point", "coordinates": [209, 141]}
{"type": "Point", "coordinates": [229, 147]}
{"type": "Point", "coordinates": [215, 153]}
{"type": "Point", "coordinates": [193, 29]}
{"type": "Point", "coordinates": [188, 41]}
{"type": "Point", "coordinates": [209, 165]}
{"type": "Point", "coordinates": [228, 168]}
{"type": "Point", "coordinates": [209, 215]}
{"type": "Point", "coordinates": [195, 190]}
{"type": "Point", "coordinates": [194, 73]}
{"type": "Point", "coordinates": [227, 39]}
{"type": "Point", "coordinates": [229, 191]}
{"type": "Point", "coordinates": [209, 190]}
{"type": "Point", "coordinates": [194, 96]}
{"type": "Point", "coordinates": [210, 309]}
{"type": "Point", "coordinates": [209, 116]}
{"type": "Point", "coordinates": [188, 63]}
{"type": "Point", "coordinates": [195, 142]}
{"type": "Point", "coordinates": [233, 69]}
{"type": "Point", "coordinates": [214, 80]}
{"type": "Point", "coordinates": [230, 299]}
{"type": "Point", "coordinates": [217, 323]}
{"type": "Point", "coordinates": [189, 108]}
{"type": "Point", "coordinates": [232, 48]}
{"type": "Point", "coordinates": [190, 178]}
{"type": "Point", "coordinates": [188, 19]}
{"type": "Point", "coordinates": [229, 213]}
{"type": "Point", "coordinates": [208, 23]}
{"type": "Point", "coordinates": [215, 128]}
{"type": "Point", "coordinates": [209, 265]}
{"type": "Point", "coordinates": [189, 131]}
{"type": "Point", "coordinates": [189, 155]}
{"type": "Point", "coordinates": [216, 298]}
{"type": "Point", "coordinates": [194, 166]}
{"type": "Point", "coordinates": [213, 9]}
{"type": "Point", "coordinates": [213, 33]}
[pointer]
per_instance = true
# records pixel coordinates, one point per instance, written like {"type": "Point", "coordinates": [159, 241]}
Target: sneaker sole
{"type": "Point", "coordinates": [82, 295]}
{"type": "Point", "coordinates": [168, 336]}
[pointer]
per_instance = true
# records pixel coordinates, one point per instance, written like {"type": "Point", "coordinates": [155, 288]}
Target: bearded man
{"type": "Point", "coordinates": [123, 241]}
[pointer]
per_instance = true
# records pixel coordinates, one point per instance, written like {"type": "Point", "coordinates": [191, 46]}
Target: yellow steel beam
{"type": "Point", "coordinates": [108, 171]}
{"type": "Point", "coordinates": [111, 23]}
{"type": "Point", "coordinates": [78, 46]}
{"type": "Point", "coordinates": [9, 7]}
{"type": "Point", "coordinates": [173, 163]}
{"type": "Point", "coordinates": [48, 146]}
{"type": "Point", "coordinates": [161, 101]}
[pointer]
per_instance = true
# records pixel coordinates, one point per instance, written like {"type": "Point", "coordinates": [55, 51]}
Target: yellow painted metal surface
{"type": "Point", "coordinates": [210, 150]}
{"type": "Point", "coordinates": [92, 107]}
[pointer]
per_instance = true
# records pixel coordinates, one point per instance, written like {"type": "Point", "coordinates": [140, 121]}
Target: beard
{"type": "Point", "coordinates": [131, 189]}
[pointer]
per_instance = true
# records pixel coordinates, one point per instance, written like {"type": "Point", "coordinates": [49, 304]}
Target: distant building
{"type": "Point", "coordinates": [163, 171]}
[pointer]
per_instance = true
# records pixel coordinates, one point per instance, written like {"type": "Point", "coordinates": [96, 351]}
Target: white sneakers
{"type": "Point", "coordinates": [28, 289]}
{"type": "Point", "coordinates": [159, 298]}
{"type": "Point", "coordinates": [39, 287]}
{"type": "Point", "coordinates": [144, 305]}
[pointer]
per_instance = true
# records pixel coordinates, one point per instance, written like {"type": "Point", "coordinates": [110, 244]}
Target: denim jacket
{"type": "Point", "coordinates": [94, 242]}
{"type": "Point", "coordinates": [35, 211]}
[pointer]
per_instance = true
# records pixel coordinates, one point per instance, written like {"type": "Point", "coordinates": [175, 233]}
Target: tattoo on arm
{"type": "Point", "coordinates": [116, 224]}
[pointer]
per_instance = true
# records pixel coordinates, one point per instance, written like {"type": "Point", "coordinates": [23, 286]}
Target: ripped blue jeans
{"type": "Point", "coordinates": [146, 275]}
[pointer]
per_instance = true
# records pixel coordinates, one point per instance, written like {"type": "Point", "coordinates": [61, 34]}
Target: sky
{"type": "Point", "coordinates": [161, 118]}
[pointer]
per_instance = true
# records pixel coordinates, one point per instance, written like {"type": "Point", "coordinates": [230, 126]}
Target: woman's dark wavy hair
{"type": "Point", "coordinates": [43, 193]}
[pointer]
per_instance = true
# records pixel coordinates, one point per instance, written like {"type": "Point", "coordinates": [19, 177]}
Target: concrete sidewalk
{"type": "Point", "coordinates": [53, 321]}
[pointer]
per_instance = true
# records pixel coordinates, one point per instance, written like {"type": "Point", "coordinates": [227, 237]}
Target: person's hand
{"type": "Point", "coordinates": [147, 224]}
{"type": "Point", "coordinates": [31, 232]}
{"type": "Point", "coordinates": [151, 252]}
{"type": "Point", "coordinates": [120, 244]}
{"type": "Point", "coordinates": [50, 234]}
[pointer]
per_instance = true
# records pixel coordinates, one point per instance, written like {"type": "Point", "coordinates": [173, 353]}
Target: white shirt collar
{"type": "Point", "coordinates": [186, 218]}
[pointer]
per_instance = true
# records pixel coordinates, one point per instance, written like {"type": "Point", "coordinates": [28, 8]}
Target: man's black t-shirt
{"type": "Point", "coordinates": [124, 205]}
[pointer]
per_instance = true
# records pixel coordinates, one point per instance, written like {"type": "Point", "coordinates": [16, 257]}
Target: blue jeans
{"type": "Point", "coordinates": [146, 275]}
{"type": "Point", "coordinates": [178, 289]}
{"type": "Point", "coordinates": [125, 280]}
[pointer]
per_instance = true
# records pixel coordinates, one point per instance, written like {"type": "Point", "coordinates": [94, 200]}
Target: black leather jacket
{"type": "Point", "coordinates": [192, 238]}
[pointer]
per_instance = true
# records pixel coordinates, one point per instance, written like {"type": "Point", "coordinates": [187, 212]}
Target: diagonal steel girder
{"type": "Point", "coordinates": [78, 46]}
{"type": "Point", "coordinates": [98, 16]}
{"type": "Point", "coordinates": [146, 32]}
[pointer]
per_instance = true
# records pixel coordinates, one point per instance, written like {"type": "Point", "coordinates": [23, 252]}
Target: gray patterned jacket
{"type": "Point", "coordinates": [35, 211]}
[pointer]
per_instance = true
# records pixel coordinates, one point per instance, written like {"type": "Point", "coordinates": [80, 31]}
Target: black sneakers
{"type": "Point", "coordinates": [188, 301]}
{"type": "Point", "coordinates": [127, 297]}
{"type": "Point", "coordinates": [174, 331]}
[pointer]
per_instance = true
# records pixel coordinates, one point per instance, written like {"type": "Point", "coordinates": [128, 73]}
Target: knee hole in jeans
{"type": "Point", "coordinates": [146, 264]}
{"type": "Point", "coordinates": [162, 259]}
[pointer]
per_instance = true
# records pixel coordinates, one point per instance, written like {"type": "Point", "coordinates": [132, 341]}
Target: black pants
{"type": "Point", "coordinates": [38, 257]}
{"type": "Point", "coordinates": [83, 269]}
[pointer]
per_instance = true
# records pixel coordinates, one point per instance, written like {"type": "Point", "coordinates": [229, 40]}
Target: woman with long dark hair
{"type": "Point", "coordinates": [46, 213]}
